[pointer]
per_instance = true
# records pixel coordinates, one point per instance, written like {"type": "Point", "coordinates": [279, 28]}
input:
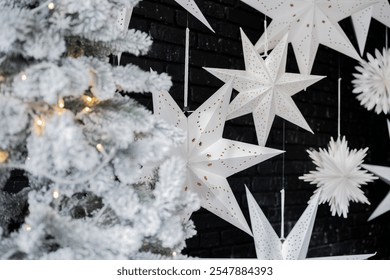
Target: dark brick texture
{"type": "Point", "coordinates": [165, 21]}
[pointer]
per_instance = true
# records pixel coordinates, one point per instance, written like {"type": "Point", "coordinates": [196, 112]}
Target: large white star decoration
{"type": "Point", "coordinates": [211, 158]}
{"type": "Point", "coordinates": [265, 89]}
{"type": "Point", "coordinates": [308, 23]}
{"type": "Point", "coordinates": [372, 83]}
{"type": "Point", "coordinates": [193, 9]}
{"type": "Point", "coordinates": [270, 247]}
{"type": "Point", "coordinates": [383, 172]}
{"type": "Point", "coordinates": [338, 176]}
{"type": "Point", "coordinates": [362, 19]}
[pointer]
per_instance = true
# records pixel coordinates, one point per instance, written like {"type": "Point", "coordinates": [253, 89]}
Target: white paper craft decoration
{"type": "Point", "coordinates": [338, 176]}
{"type": "Point", "coordinates": [193, 9]}
{"type": "Point", "coordinates": [309, 23]}
{"type": "Point", "coordinates": [372, 83]}
{"type": "Point", "coordinates": [211, 158]}
{"type": "Point", "coordinates": [265, 88]}
{"type": "Point", "coordinates": [383, 172]}
{"type": "Point", "coordinates": [270, 247]}
{"type": "Point", "coordinates": [362, 19]}
{"type": "Point", "coordinates": [123, 23]}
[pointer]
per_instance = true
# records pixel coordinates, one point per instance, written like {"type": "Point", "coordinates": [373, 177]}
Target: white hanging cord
{"type": "Point", "coordinates": [265, 38]}
{"type": "Point", "coordinates": [186, 68]}
{"type": "Point", "coordinates": [282, 192]}
{"type": "Point", "coordinates": [339, 109]}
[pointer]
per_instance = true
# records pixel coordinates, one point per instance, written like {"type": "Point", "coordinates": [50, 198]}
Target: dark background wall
{"type": "Point", "coordinates": [165, 21]}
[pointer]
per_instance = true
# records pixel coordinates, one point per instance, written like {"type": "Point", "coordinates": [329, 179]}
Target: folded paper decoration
{"type": "Point", "coordinates": [309, 23]}
{"type": "Point", "coordinates": [362, 19]}
{"type": "Point", "coordinates": [295, 247]}
{"type": "Point", "coordinates": [193, 9]}
{"type": "Point", "coordinates": [339, 175]}
{"type": "Point", "coordinates": [383, 172]}
{"type": "Point", "coordinates": [265, 89]}
{"type": "Point", "coordinates": [211, 158]}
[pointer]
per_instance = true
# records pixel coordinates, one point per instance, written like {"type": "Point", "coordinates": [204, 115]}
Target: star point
{"type": "Point", "coordinates": [211, 158]}
{"type": "Point", "coordinates": [309, 24]}
{"type": "Point", "coordinates": [265, 89]}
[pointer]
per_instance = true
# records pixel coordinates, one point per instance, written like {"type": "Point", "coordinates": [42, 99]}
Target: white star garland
{"type": "Point", "coordinates": [211, 158]}
{"type": "Point", "coordinates": [372, 83]}
{"type": "Point", "coordinates": [309, 23]}
{"type": "Point", "coordinates": [339, 176]}
{"type": "Point", "coordinates": [265, 89]}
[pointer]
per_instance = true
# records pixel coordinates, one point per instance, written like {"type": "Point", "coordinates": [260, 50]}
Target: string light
{"type": "Point", "coordinates": [56, 194]}
{"type": "Point", "coordinates": [61, 103]}
{"type": "Point", "coordinates": [100, 148]}
{"type": "Point", "coordinates": [27, 227]}
{"type": "Point", "coordinates": [87, 110]}
{"type": "Point", "coordinates": [88, 99]}
{"type": "Point", "coordinates": [39, 125]}
{"type": "Point", "coordinates": [4, 155]}
{"type": "Point", "coordinates": [23, 76]}
{"type": "Point", "coordinates": [2, 78]}
{"type": "Point", "coordinates": [174, 254]}
{"type": "Point", "coordinates": [51, 6]}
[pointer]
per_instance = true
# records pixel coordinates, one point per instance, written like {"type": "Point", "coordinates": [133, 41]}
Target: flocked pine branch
{"type": "Point", "coordinates": [82, 143]}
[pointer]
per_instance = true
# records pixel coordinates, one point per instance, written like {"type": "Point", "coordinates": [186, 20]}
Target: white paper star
{"type": "Point", "coordinates": [193, 9]}
{"type": "Point", "coordinates": [309, 23]}
{"type": "Point", "coordinates": [372, 84]}
{"type": "Point", "coordinates": [265, 88]}
{"type": "Point", "coordinates": [295, 247]}
{"type": "Point", "coordinates": [211, 158]}
{"type": "Point", "coordinates": [123, 24]}
{"type": "Point", "coordinates": [362, 19]}
{"type": "Point", "coordinates": [338, 176]}
{"type": "Point", "coordinates": [383, 172]}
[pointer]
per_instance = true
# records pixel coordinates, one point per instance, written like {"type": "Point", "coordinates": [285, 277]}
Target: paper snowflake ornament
{"type": "Point", "coordinates": [194, 10]}
{"type": "Point", "coordinates": [308, 23]}
{"type": "Point", "coordinates": [362, 19]}
{"type": "Point", "coordinates": [339, 176]}
{"type": "Point", "coordinates": [211, 158]}
{"type": "Point", "coordinates": [372, 83]}
{"type": "Point", "coordinates": [383, 172]}
{"type": "Point", "coordinates": [268, 244]}
{"type": "Point", "coordinates": [265, 89]}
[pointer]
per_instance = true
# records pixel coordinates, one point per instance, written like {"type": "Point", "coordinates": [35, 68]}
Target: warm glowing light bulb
{"type": "Point", "coordinates": [87, 110]}
{"type": "Point", "coordinates": [23, 77]}
{"type": "Point", "coordinates": [88, 99]}
{"type": "Point", "coordinates": [4, 155]}
{"type": "Point", "coordinates": [174, 254]}
{"type": "Point", "coordinates": [56, 194]}
{"type": "Point", "coordinates": [39, 125]}
{"type": "Point", "coordinates": [51, 6]}
{"type": "Point", "coordinates": [61, 103]}
{"type": "Point", "coordinates": [39, 122]}
{"type": "Point", "coordinates": [27, 227]}
{"type": "Point", "coordinates": [100, 148]}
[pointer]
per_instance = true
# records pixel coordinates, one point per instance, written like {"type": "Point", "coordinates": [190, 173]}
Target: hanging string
{"type": "Point", "coordinates": [186, 69]}
{"type": "Point", "coordinates": [265, 38]}
{"type": "Point", "coordinates": [339, 109]}
{"type": "Point", "coordinates": [282, 192]}
{"type": "Point", "coordinates": [387, 39]}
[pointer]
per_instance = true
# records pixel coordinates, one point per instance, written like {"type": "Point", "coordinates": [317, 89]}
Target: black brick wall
{"type": "Point", "coordinates": [165, 21]}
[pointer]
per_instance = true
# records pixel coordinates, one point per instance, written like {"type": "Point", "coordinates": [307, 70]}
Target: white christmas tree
{"type": "Point", "coordinates": [66, 122]}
